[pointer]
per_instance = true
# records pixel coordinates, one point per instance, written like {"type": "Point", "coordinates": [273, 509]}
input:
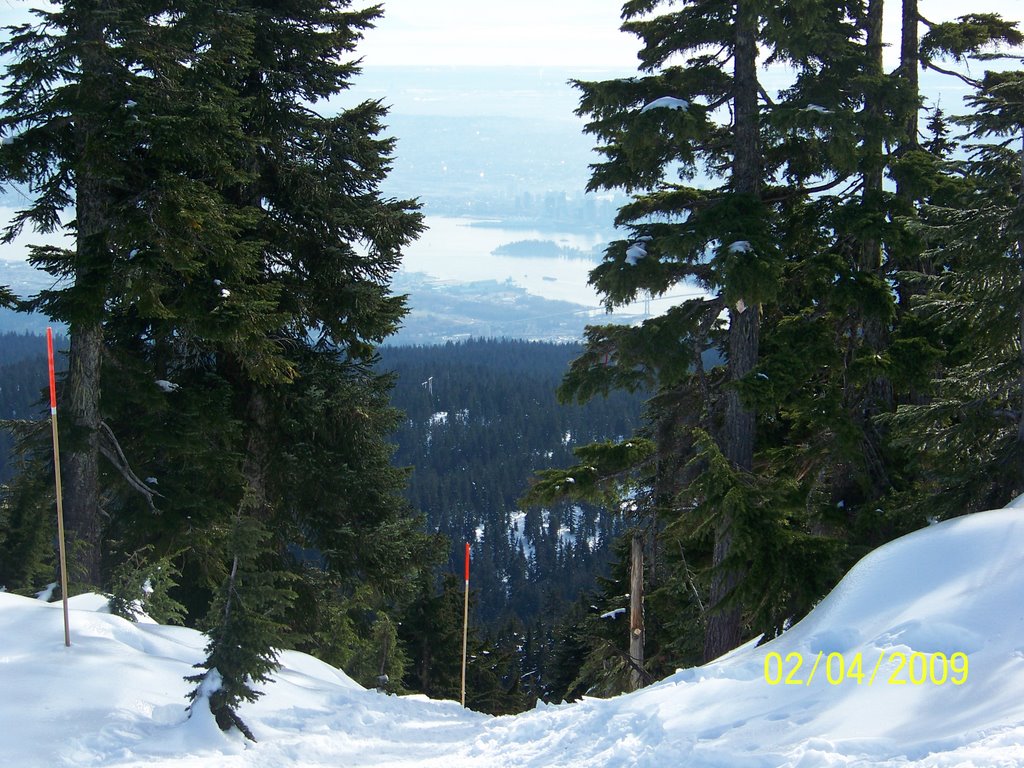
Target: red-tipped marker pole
{"type": "Point", "coordinates": [465, 627]}
{"type": "Point", "coordinates": [60, 501]}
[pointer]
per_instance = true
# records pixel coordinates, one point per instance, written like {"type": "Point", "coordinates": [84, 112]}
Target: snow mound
{"type": "Point", "coordinates": [666, 102]}
{"type": "Point", "coordinates": [952, 590]}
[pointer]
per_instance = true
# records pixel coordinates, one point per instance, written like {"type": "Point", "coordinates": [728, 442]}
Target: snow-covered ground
{"type": "Point", "coordinates": [953, 592]}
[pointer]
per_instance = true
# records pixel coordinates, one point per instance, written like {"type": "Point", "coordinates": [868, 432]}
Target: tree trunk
{"type": "Point", "coordinates": [878, 396]}
{"type": "Point", "coordinates": [636, 612]}
{"type": "Point", "coordinates": [910, 69]}
{"type": "Point", "coordinates": [81, 397]}
{"type": "Point", "coordinates": [256, 463]}
{"type": "Point", "coordinates": [81, 403]}
{"type": "Point", "coordinates": [724, 627]}
{"type": "Point", "coordinates": [873, 162]}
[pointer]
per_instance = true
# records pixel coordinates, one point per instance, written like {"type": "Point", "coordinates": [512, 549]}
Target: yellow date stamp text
{"type": "Point", "coordinates": [913, 668]}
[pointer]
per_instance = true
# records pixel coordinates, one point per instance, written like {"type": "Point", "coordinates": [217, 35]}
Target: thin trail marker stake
{"type": "Point", "coordinates": [60, 501]}
{"type": "Point", "coordinates": [465, 628]}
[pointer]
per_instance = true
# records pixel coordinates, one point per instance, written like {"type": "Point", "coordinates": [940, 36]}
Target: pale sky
{"type": "Point", "coordinates": [570, 33]}
{"type": "Point", "coordinates": [581, 33]}
{"type": "Point", "coordinates": [506, 32]}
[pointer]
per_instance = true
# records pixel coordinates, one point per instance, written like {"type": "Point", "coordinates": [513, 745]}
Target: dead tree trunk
{"type": "Point", "coordinates": [636, 612]}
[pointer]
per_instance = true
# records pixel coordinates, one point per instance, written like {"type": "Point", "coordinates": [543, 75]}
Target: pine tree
{"type": "Point", "coordinates": [247, 628]}
{"type": "Point", "coordinates": [970, 431]}
{"type": "Point", "coordinates": [732, 239]}
{"type": "Point", "coordinates": [62, 93]}
{"type": "Point", "coordinates": [234, 265]}
{"type": "Point", "coordinates": [97, 102]}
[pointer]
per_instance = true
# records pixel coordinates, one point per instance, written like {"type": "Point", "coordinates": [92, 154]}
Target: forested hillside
{"type": "Point", "coordinates": [22, 383]}
{"type": "Point", "coordinates": [481, 418]}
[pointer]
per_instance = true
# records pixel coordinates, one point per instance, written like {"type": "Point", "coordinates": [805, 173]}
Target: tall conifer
{"type": "Point", "coordinates": [970, 432]}
{"type": "Point", "coordinates": [231, 283]}
{"type": "Point", "coordinates": [701, 103]}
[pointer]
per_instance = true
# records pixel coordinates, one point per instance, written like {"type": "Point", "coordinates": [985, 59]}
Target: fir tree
{"type": "Point", "coordinates": [729, 238]}
{"type": "Point", "coordinates": [970, 430]}
{"type": "Point", "coordinates": [246, 630]}
{"type": "Point", "coordinates": [234, 261]}
{"type": "Point", "coordinates": [62, 108]}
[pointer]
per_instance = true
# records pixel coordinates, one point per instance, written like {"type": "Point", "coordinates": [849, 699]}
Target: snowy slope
{"type": "Point", "coordinates": [116, 698]}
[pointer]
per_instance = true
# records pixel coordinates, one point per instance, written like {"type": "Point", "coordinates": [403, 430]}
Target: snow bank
{"type": "Point", "coordinates": [117, 697]}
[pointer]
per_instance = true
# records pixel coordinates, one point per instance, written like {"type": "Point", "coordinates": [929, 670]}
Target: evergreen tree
{"type": "Point", "coordinates": [295, 319]}
{"type": "Point", "coordinates": [970, 431]}
{"type": "Point", "coordinates": [701, 103]}
{"type": "Point", "coordinates": [62, 114]}
{"type": "Point", "coordinates": [246, 630]}
{"type": "Point", "coordinates": [233, 266]}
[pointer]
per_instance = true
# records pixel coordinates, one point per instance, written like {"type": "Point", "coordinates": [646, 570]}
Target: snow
{"type": "Point", "coordinates": [666, 102]}
{"type": "Point", "coordinates": [634, 253]}
{"type": "Point", "coordinates": [166, 386]}
{"type": "Point", "coordinates": [441, 417]}
{"type": "Point", "coordinates": [117, 696]}
{"type": "Point", "coordinates": [613, 614]}
{"type": "Point", "coordinates": [518, 537]}
{"type": "Point", "coordinates": [47, 594]}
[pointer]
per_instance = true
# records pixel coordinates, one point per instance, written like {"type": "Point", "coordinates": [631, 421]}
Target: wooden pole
{"type": "Point", "coordinates": [636, 611]}
{"type": "Point", "coordinates": [465, 627]}
{"type": "Point", "coordinates": [60, 501]}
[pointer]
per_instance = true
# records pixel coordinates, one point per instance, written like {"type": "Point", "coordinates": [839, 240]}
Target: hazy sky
{"type": "Point", "coordinates": [575, 33]}
{"type": "Point", "coordinates": [582, 33]}
{"type": "Point", "coordinates": [516, 32]}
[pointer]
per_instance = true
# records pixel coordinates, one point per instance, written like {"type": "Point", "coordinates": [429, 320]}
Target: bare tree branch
{"type": "Point", "coordinates": [969, 80]}
{"type": "Point", "coordinates": [111, 449]}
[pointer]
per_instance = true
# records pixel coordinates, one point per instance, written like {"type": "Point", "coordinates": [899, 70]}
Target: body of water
{"type": "Point", "coordinates": [452, 249]}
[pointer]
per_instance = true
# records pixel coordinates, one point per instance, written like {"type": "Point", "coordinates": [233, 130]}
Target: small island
{"type": "Point", "coordinates": [543, 249]}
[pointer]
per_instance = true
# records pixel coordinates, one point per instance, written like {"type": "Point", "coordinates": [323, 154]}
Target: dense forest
{"type": "Point", "coordinates": [22, 386]}
{"type": "Point", "coordinates": [480, 419]}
